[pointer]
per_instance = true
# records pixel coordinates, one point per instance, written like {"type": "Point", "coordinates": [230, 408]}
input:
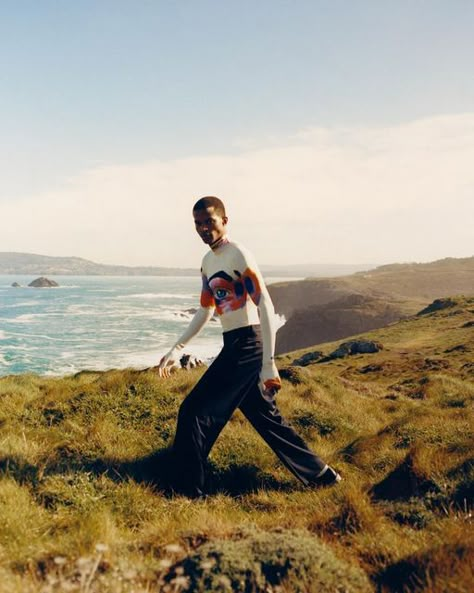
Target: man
{"type": "Point", "coordinates": [244, 374]}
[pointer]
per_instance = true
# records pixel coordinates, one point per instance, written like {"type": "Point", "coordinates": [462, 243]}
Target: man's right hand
{"type": "Point", "coordinates": [167, 363]}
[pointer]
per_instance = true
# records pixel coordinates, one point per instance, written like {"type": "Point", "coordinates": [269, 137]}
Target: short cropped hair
{"type": "Point", "coordinates": [210, 202]}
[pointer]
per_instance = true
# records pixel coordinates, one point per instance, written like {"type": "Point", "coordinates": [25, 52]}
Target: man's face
{"type": "Point", "coordinates": [210, 225]}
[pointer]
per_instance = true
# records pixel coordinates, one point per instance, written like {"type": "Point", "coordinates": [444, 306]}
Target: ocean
{"type": "Point", "coordinates": [98, 323]}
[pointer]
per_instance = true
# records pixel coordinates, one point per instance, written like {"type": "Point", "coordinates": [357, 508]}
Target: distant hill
{"type": "Point", "coordinates": [314, 270]}
{"type": "Point", "coordinates": [318, 310]}
{"type": "Point", "coordinates": [29, 263]}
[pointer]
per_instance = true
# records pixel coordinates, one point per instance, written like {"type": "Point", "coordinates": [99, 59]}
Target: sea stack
{"type": "Point", "coordinates": [43, 282]}
{"type": "Point", "coordinates": [16, 285]}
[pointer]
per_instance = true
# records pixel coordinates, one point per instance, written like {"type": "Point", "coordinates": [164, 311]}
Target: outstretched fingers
{"type": "Point", "coordinates": [164, 367]}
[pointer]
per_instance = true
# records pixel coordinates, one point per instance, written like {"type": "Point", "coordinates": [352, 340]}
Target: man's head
{"type": "Point", "coordinates": [210, 219]}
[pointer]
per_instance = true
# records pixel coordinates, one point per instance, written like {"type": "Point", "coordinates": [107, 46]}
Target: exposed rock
{"type": "Point", "coordinates": [190, 362]}
{"type": "Point", "coordinates": [371, 368]}
{"type": "Point", "coordinates": [435, 364]}
{"type": "Point", "coordinates": [307, 358]}
{"type": "Point", "coordinates": [16, 285]}
{"type": "Point", "coordinates": [43, 282]}
{"type": "Point", "coordinates": [412, 387]}
{"type": "Point", "coordinates": [468, 368]}
{"type": "Point", "coordinates": [458, 348]}
{"type": "Point", "coordinates": [469, 324]}
{"type": "Point", "coordinates": [438, 305]}
{"type": "Point", "coordinates": [353, 347]}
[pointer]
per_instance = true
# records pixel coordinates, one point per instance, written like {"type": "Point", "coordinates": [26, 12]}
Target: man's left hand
{"type": "Point", "coordinates": [270, 378]}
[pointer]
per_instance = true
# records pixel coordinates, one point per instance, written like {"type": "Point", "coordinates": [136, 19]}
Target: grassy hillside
{"type": "Point", "coordinates": [84, 504]}
{"type": "Point", "coordinates": [324, 309]}
{"type": "Point", "coordinates": [418, 282]}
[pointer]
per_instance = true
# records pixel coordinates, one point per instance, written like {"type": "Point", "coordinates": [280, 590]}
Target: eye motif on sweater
{"type": "Point", "coordinates": [230, 293]}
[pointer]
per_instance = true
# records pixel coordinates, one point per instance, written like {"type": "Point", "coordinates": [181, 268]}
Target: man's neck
{"type": "Point", "coordinates": [219, 243]}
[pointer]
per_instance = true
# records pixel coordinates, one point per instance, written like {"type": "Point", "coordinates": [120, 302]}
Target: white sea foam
{"type": "Point", "coordinates": [42, 336]}
{"type": "Point", "coordinates": [3, 335]}
{"type": "Point", "coordinates": [68, 286]}
{"type": "Point", "coordinates": [156, 295]}
{"type": "Point", "coordinates": [3, 361]}
{"type": "Point", "coordinates": [30, 317]}
{"type": "Point", "coordinates": [21, 348]}
{"type": "Point", "coordinates": [82, 310]}
{"type": "Point", "coordinates": [176, 315]}
{"type": "Point", "coordinates": [22, 304]}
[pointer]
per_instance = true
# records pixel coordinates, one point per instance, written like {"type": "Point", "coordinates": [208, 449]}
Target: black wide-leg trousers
{"type": "Point", "coordinates": [232, 382]}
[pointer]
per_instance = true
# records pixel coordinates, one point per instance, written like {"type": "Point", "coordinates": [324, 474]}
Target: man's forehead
{"type": "Point", "coordinates": [204, 212]}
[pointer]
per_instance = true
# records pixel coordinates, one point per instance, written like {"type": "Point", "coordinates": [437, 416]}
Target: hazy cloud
{"type": "Point", "coordinates": [347, 195]}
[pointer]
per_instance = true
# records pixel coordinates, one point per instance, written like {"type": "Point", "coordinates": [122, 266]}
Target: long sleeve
{"type": "Point", "coordinates": [267, 324]}
{"type": "Point", "coordinates": [201, 317]}
{"type": "Point", "coordinates": [259, 294]}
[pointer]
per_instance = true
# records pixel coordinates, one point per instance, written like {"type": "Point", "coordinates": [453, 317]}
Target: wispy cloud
{"type": "Point", "coordinates": [365, 194]}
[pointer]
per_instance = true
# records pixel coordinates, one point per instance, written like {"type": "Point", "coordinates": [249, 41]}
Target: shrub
{"type": "Point", "coordinates": [256, 561]}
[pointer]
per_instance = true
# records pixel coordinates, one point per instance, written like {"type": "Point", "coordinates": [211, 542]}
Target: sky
{"type": "Point", "coordinates": [334, 131]}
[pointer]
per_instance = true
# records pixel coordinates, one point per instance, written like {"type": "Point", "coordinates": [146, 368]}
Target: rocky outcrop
{"type": "Point", "coordinates": [190, 362]}
{"type": "Point", "coordinates": [16, 285]}
{"type": "Point", "coordinates": [438, 305]}
{"type": "Point", "coordinates": [308, 358]}
{"type": "Point", "coordinates": [43, 282]}
{"type": "Point", "coordinates": [353, 347]}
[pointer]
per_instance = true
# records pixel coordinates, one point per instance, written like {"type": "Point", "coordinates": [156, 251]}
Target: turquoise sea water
{"type": "Point", "coordinates": [97, 322]}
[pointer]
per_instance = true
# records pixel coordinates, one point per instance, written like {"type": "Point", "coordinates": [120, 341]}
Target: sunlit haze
{"type": "Point", "coordinates": [334, 132]}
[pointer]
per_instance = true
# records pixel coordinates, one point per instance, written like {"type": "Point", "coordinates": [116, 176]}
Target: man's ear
{"type": "Point", "coordinates": [225, 219]}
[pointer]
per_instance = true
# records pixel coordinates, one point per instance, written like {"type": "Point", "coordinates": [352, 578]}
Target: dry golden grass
{"type": "Point", "coordinates": [83, 500]}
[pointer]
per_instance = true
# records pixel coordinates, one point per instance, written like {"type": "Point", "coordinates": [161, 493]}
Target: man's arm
{"type": "Point", "coordinates": [259, 294]}
{"type": "Point", "coordinates": [201, 317]}
{"type": "Point", "coordinates": [269, 374]}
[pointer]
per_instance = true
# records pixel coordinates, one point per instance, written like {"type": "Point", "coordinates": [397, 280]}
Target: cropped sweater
{"type": "Point", "coordinates": [232, 286]}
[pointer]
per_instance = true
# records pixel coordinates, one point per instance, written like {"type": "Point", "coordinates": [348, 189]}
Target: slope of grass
{"type": "Point", "coordinates": [84, 503]}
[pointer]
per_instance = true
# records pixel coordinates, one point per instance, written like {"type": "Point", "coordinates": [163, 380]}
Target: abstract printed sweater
{"type": "Point", "coordinates": [233, 287]}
